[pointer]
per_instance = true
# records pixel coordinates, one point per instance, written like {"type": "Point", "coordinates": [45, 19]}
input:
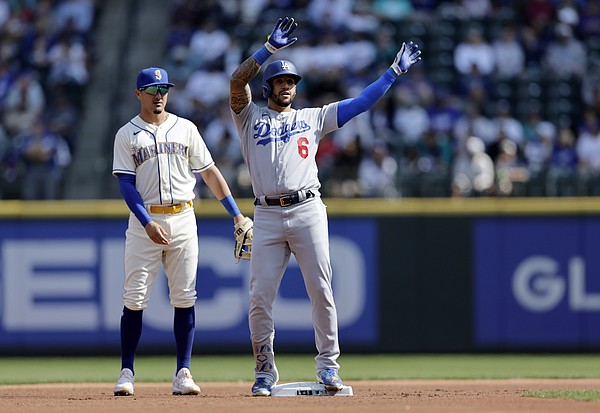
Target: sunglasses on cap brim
{"type": "Point", "coordinates": [153, 90]}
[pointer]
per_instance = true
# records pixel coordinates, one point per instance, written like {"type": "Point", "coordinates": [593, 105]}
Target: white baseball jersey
{"type": "Point", "coordinates": [280, 147]}
{"type": "Point", "coordinates": [163, 158]}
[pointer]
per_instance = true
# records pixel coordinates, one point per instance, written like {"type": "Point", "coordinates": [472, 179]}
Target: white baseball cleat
{"type": "Point", "coordinates": [124, 386]}
{"type": "Point", "coordinates": [183, 383]}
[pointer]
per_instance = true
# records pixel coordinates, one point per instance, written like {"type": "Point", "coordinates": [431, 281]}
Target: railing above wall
{"type": "Point", "coordinates": [109, 208]}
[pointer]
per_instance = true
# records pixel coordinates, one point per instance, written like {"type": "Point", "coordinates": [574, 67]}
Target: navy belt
{"type": "Point", "coordinates": [285, 200]}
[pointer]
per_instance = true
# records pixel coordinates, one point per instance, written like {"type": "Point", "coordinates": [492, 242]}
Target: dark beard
{"type": "Point", "coordinates": [282, 104]}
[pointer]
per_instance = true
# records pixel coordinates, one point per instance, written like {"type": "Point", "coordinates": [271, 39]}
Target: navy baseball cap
{"type": "Point", "coordinates": [153, 76]}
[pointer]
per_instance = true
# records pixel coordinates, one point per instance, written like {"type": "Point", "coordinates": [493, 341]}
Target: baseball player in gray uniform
{"type": "Point", "coordinates": [279, 145]}
{"type": "Point", "coordinates": [156, 157]}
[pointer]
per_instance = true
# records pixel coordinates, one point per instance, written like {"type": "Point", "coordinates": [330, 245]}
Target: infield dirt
{"type": "Point", "coordinates": [461, 396]}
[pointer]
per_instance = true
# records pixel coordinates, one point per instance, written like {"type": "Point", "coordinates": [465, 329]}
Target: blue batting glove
{"type": "Point", "coordinates": [279, 38]}
{"type": "Point", "coordinates": [408, 55]}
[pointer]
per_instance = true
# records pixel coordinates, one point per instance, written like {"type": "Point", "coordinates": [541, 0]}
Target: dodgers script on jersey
{"type": "Point", "coordinates": [280, 147]}
{"type": "Point", "coordinates": [167, 155]}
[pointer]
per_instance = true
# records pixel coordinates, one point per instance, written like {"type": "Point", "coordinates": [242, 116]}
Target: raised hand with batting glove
{"type": "Point", "coordinates": [408, 55]}
{"type": "Point", "coordinates": [279, 38]}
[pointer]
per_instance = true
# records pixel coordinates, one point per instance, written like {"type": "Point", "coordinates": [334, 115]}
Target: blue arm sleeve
{"type": "Point", "coordinates": [230, 205]}
{"type": "Point", "coordinates": [349, 108]}
{"type": "Point", "coordinates": [132, 198]}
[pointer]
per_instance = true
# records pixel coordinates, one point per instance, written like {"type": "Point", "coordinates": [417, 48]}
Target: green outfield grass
{"type": "Point", "coordinates": [583, 395]}
{"type": "Point", "coordinates": [15, 370]}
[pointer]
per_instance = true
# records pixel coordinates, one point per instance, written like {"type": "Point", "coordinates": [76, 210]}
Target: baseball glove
{"type": "Point", "coordinates": [243, 232]}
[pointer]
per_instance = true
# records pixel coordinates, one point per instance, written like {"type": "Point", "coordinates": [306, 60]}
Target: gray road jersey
{"type": "Point", "coordinates": [280, 148]}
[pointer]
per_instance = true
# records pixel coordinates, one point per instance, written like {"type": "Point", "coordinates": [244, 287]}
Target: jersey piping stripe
{"type": "Point", "coordinates": [157, 167]}
{"type": "Point", "coordinates": [203, 169]}
{"type": "Point", "coordinates": [123, 171]}
{"type": "Point", "coordinates": [139, 127]}
{"type": "Point", "coordinates": [169, 158]}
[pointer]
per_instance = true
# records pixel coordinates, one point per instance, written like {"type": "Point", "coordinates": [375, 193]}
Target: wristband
{"type": "Point", "coordinates": [391, 74]}
{"type": "Point", "coordinates": [230, 205]}
{"type": "Point", "coordinates": [261, 55]}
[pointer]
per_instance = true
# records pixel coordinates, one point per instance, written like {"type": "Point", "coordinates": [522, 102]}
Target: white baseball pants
{"type": "Point", "coordinates": [143, 259]}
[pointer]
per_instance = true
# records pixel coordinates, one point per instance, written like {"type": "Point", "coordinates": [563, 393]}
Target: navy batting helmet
{"type": "Point", "coordinates": [278, 68]}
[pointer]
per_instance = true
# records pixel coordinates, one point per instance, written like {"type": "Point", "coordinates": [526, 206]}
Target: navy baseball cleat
{"type": "Point", "coordinates": [330, 379]}
{"type": "Point", "coordinates": [262, 386]}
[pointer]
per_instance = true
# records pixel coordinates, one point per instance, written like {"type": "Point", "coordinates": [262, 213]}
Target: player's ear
{"type": "Point", "coordinates": [137, 93]}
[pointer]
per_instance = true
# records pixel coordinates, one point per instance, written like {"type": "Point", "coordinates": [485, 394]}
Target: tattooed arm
{"type": "Point", "coordinates": [239, 90]}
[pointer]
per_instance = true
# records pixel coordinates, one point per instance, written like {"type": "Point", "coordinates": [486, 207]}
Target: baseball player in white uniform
{"type": "Point", "coordinates": [156, 155]}
{"type": "Point", "coordinates": [279, 145]}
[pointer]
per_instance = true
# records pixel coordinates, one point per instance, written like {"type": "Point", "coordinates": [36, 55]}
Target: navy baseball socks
{"type": "Point", "coordinates": [131, 331]}
{"type": "Point", "coordinates": [184, 321]}
{"type": "Point", "coordinates": [184, 327]}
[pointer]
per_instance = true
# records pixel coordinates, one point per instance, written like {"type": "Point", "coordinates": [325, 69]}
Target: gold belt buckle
{"type": "Point", "coordinates": [286, 200]}
{"type": "Point", "coordinates": [180, 207]}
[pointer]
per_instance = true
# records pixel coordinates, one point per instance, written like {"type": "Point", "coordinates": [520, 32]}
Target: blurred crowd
{"type": "Point", "coordinates": [506, 100]}
{"type": "Point", "coordinates": [44, 60]}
